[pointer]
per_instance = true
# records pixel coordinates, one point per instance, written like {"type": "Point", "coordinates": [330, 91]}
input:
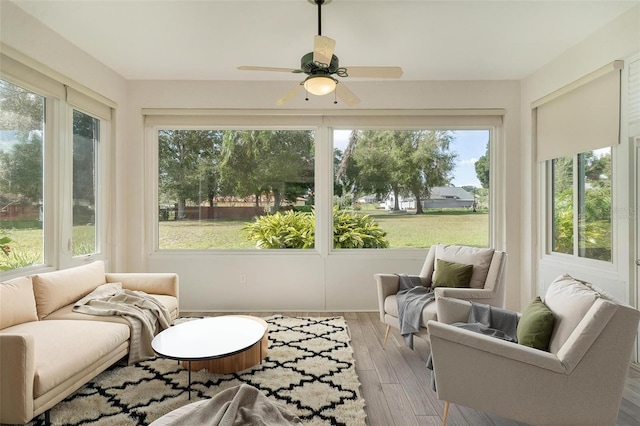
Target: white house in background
{"type": "Point", "coordinates": [449, 197]}
{"type": "Point", "coordinates": [442, 197]}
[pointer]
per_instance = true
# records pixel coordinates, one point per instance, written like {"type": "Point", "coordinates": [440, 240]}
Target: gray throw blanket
{"type": "Point", "coordinates": [237, 406]}
{"type": "Point", "coordinates": [412, 297]}
{"type": "Point", "coordinates": [145, 314]}
{"type": "Point", "coordinates": [487, 320]}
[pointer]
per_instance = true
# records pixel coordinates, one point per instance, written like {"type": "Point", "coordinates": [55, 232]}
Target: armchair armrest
{"type": "Point", "coordinates": [450, 339]}
{"type": "Point", "coordinates": [387, 284]}
{"type": "Point", "coordinates": [17, 370]}
{"type": "Point", "coordinates": [464, 293]}
{"type": "Point", "coordinates": [150, 282]}
{"type": "Point", "coordinates": [450, 310]}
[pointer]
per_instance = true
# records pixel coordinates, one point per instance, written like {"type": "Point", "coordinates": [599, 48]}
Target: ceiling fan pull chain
{"type": "Point", "coordinates": [306, 95]}
{"type": "Point", "coordinates": [335, 98]}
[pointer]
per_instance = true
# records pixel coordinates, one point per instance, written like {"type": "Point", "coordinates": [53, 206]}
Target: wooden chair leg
{"type": "Point", "coordinates": [445, 414]}
{"type": "Point", "coordinates": [386, 335]}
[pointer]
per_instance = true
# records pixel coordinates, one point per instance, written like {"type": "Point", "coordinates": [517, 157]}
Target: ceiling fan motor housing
{"type": "Point", "coordinates": [311, 68]}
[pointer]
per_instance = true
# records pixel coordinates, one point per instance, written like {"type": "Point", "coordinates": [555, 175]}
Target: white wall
{"type": "Point", "coordinates": [618, 40]}
{"type": "Point", "coordinates": [298, 282]}
{"type": "Point", "coordinates": [305, 281]}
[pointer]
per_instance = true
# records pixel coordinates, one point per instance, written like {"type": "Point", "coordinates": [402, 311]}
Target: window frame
{"type": "Point", "coordinates": [323, 125]}
{"type": "Point", "coordinates": [547, 218]}
{"type": "Point", "coordinates": [57, 161]}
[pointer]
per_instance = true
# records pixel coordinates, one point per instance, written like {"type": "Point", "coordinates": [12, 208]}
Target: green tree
{"type": "Point", "coordinates": [594, 205]}
{"type": "Point", "coordinates": [21, 121]}
{"type": "Point", "coordinates": [405, 163]}
{"type": "Point", "coordinates": [85, 132]}
{"type": "Point", "coordinates": [482, 169]}
{"type": "Point", "coordinates": [277, 163]}
{"type": "Point", "coordinates": [21, 175]}
{"type": "Point", "coordinates": [187, 166]}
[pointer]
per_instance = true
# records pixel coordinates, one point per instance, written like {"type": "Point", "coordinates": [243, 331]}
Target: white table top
{"type": "Point", "coordinates": [209, 338]}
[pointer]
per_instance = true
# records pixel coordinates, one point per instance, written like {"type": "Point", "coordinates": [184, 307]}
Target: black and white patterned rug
{"type": "Point", "coordinates": [309, 368]}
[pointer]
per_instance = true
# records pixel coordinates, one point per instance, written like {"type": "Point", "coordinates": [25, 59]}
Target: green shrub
{"type": "Point", "coordinates": [294, 229]}
{"type": "Point", "coordinates": [16, 260]}
{"type": "Point", "coordinates": [353, 230]}
{"type": "Point", "coordinates": [282, 230]}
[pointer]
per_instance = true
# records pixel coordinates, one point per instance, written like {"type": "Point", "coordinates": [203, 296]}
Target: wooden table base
{"type": "Point", "coordinates": [237, 362]}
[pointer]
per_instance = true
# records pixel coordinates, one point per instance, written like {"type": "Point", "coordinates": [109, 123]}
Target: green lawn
{"type": "Point", "coordinates": [404, 231]}
{"type": "Point", "coordinates": [455, 227]}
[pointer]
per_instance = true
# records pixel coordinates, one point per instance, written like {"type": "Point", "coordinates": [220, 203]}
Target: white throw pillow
{"type": "Point", "coordinates": [480, 258]}
{"type": "Point", "coordinates": [569, 300]}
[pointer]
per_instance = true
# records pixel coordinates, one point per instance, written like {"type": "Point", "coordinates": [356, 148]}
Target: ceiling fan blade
{"type": "Point", "coordinates": [374, 72]}
{"type": "Point", "coordinates": [323, 50]}
{"type": "Point", "coordinates": [346, 95]}
{"type": "Point", "coordinates": [250, 68]}
{"type": "Point", "coordinates": [290, 94]}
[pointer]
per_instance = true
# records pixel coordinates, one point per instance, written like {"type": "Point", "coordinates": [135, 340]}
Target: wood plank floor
{"type": "Point", "coordinates": [395, 382]}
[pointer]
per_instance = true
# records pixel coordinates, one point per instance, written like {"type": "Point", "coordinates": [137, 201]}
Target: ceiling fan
{"type": "Point", "coordinates": [322, 65]}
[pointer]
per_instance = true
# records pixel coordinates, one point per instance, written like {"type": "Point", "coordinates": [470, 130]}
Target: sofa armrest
{"type": "Point", "coordinates": [149, 282]}
{"type": "Point", "coordinates": [387, 284]}
{"type": "Point", "coordinates": [17, 370]}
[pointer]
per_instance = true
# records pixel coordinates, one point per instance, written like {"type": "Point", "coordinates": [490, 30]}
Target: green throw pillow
{"type": "Point", "coordinates": [535, 325]}
{"type": "Point", "coordinates": [451, 274]}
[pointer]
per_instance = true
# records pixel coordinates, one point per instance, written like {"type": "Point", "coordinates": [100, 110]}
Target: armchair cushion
{"type": "Point", "coordinates": [535, 325]}
{"type": "Point", "coordinates": [569, 300]}
{"type": "Point", "coordinates": [452, 274]}
{"type": "Point", "coordinates": [480, 258]}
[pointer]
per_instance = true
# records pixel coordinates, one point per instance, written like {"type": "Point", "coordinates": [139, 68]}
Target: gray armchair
{"type": "Point", "coordinates": [487, 283]}
{"type": "Point", "coordinates": [578, 382]}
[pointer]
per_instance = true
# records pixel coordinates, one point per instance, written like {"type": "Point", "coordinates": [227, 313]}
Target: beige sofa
{"type": "Point", "coordinates": [47, 351]}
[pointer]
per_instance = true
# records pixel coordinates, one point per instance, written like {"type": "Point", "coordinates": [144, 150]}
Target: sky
{"type": "Point", "coordinates": [469, 144]}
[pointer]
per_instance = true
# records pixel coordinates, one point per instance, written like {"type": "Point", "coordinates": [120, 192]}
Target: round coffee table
{"type": "Point", "coordinates": [223, 344]}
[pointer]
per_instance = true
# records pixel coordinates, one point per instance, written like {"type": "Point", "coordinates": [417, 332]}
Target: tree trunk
{"type": "Point", "coordinates": [396, 200]}
{"type": "Point", "coordinates": [181, 214]}
{"type": "Point", "coordinates": [277, 199]}
{"type": "Point", "coordinates": [419, 209]}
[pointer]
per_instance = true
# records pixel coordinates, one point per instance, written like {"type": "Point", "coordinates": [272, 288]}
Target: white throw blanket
{"type": "Point", "coordinates": [238, 406]}
{"type": "Point", "coordinates": [145, 314]}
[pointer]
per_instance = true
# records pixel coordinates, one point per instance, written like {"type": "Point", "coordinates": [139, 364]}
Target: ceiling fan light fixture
{"type": "Point", "coordinates": [320, 85]}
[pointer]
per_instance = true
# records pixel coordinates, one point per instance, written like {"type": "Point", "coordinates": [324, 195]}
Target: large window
{"type": "Point", "coordinates": [86, 135]}
{"type": "Point", "coordinates": [581, 205]}
{"type": "Point", "coordinates": [236, 189]}
{"type": "Point", "coordinates": [21, 177]}
{"type": "Point", "coordinates": [417, 187]}
{"type": "Point", "coordinates": [247, 189]}
{"type": "Point", "coordinates": [52, 184]}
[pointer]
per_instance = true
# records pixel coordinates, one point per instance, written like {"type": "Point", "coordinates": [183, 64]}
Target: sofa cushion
{"type": "Point", "coordinates": [569, 300]}
{"type": "Point", "coordinates": [480, 258]}
{"type": "Point", "coordinates": [65, 349]}
{"type": "Point", "coordinates": [54, 290]}
{"type": "Point", "coordinates": [17, 302]}
{"type": "Point", "coordinates": [451, 274]}
{"type": "Point", "coordinates": [535, 325]}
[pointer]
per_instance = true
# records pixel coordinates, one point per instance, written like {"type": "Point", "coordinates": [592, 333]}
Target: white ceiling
{"type": "Point", "coordinates": [430, 40]}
